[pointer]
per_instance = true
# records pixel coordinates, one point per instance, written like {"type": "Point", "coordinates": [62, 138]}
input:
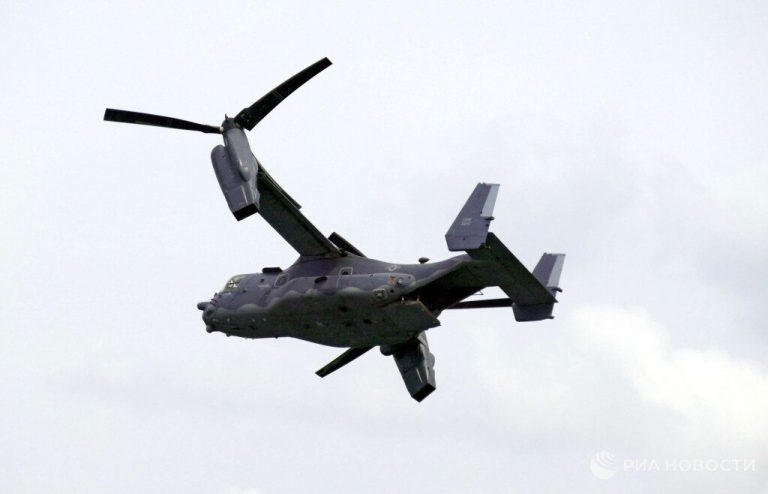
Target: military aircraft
{"type": "Point", "coordinates": [334, 294]}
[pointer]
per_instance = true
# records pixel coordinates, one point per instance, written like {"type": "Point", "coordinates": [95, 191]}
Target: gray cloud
{"type": "Point", "coordinates": [630, 137]}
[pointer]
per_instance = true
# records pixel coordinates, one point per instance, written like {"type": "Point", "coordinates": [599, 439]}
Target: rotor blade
{"type": "Point", "coordinates": [249, 117]}
{"type": "Point", "coordinates": [157, 120]}
{"type": "Point", "coordinates": [483, 304]}
{"type": "Point", "coordinates": [342, 360]}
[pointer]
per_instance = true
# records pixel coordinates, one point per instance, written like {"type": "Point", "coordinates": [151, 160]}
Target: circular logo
{"type": "Point", "coordinates": [603, 465]}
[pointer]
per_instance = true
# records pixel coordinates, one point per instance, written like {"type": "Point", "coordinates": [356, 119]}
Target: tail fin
{"type": "Point", "coordinates": [470, 227]}
{"type": "Point", "coordinates": [547, 271]}
{"type": "Point", "coordinates": [532, 293]}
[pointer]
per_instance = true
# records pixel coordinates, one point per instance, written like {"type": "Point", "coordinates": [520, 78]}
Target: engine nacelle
{"type": "Point", "coordinates": [416, 364]}
{"type": "Point", "coordinates": [237, 181]}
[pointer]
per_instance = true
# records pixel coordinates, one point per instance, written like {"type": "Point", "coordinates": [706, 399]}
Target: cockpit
{"type": "Point", "coordinates": [233, 283]}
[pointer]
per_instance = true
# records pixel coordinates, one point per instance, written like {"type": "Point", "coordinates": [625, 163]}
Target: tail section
{"type": "Point", "coordinates": [532, 294]}
{"type": "Point", "coordinates": [470, 227]}
{"type": "Point", "coordinates": [547, 272]}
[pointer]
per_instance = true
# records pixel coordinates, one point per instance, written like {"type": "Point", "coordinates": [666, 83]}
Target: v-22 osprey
{"type": "Point", "coordinates": [334, 294]}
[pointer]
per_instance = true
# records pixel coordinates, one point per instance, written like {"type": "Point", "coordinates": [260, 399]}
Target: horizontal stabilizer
{"type": "Point", "coordinates": [342, 360]}
{"type": "Point", "coordinates": [532, 293]}
{"type": "Point", "coordinates": [510, 274]}
{"type": "Point", "coordinates": [483, 304]}
{"type": "Point", "coordinates": [470, 227]}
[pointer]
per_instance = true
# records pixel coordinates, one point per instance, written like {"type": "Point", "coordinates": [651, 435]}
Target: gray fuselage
{"type": "Point", "coordinates": [348, 301]}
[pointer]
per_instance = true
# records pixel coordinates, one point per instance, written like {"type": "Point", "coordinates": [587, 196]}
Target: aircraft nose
{"type": "Point", "coordinates": [208, 312]}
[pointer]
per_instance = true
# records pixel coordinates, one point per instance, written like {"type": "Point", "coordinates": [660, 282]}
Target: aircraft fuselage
{"type": "Point", "coordinates": [349, 301]}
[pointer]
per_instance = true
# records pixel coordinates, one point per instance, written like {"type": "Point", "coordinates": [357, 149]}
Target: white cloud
{"type": "Point", "coordinates": [240, 490]}
{"type": "Point", "coordinates": [628, 138]}
{"type": "Point", "coordinates": [720, 397]}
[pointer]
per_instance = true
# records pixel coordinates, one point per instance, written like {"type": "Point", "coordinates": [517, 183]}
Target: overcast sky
{"type": "Point", "coordinates": [630, 135]}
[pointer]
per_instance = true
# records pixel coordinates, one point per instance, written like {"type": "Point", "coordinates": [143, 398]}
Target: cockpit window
{"type": "Point", "coordinates": [233, 283]}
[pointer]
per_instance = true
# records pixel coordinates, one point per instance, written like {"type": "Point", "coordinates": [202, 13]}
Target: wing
{"type": "Point", "coordinates": [282, 213]}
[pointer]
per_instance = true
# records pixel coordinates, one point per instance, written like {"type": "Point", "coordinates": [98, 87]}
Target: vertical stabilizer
{"type": "Point", "coordinates": [470, 228]}
{"type": "Point", "coordinates": [547, 271]}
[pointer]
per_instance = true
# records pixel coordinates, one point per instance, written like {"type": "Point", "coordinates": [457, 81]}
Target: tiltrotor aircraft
{"type": "Point", "coordinates": [333, 294]}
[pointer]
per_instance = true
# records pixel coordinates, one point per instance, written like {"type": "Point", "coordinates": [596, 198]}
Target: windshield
{"type": "Point", "coordinates": [233, 283]}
